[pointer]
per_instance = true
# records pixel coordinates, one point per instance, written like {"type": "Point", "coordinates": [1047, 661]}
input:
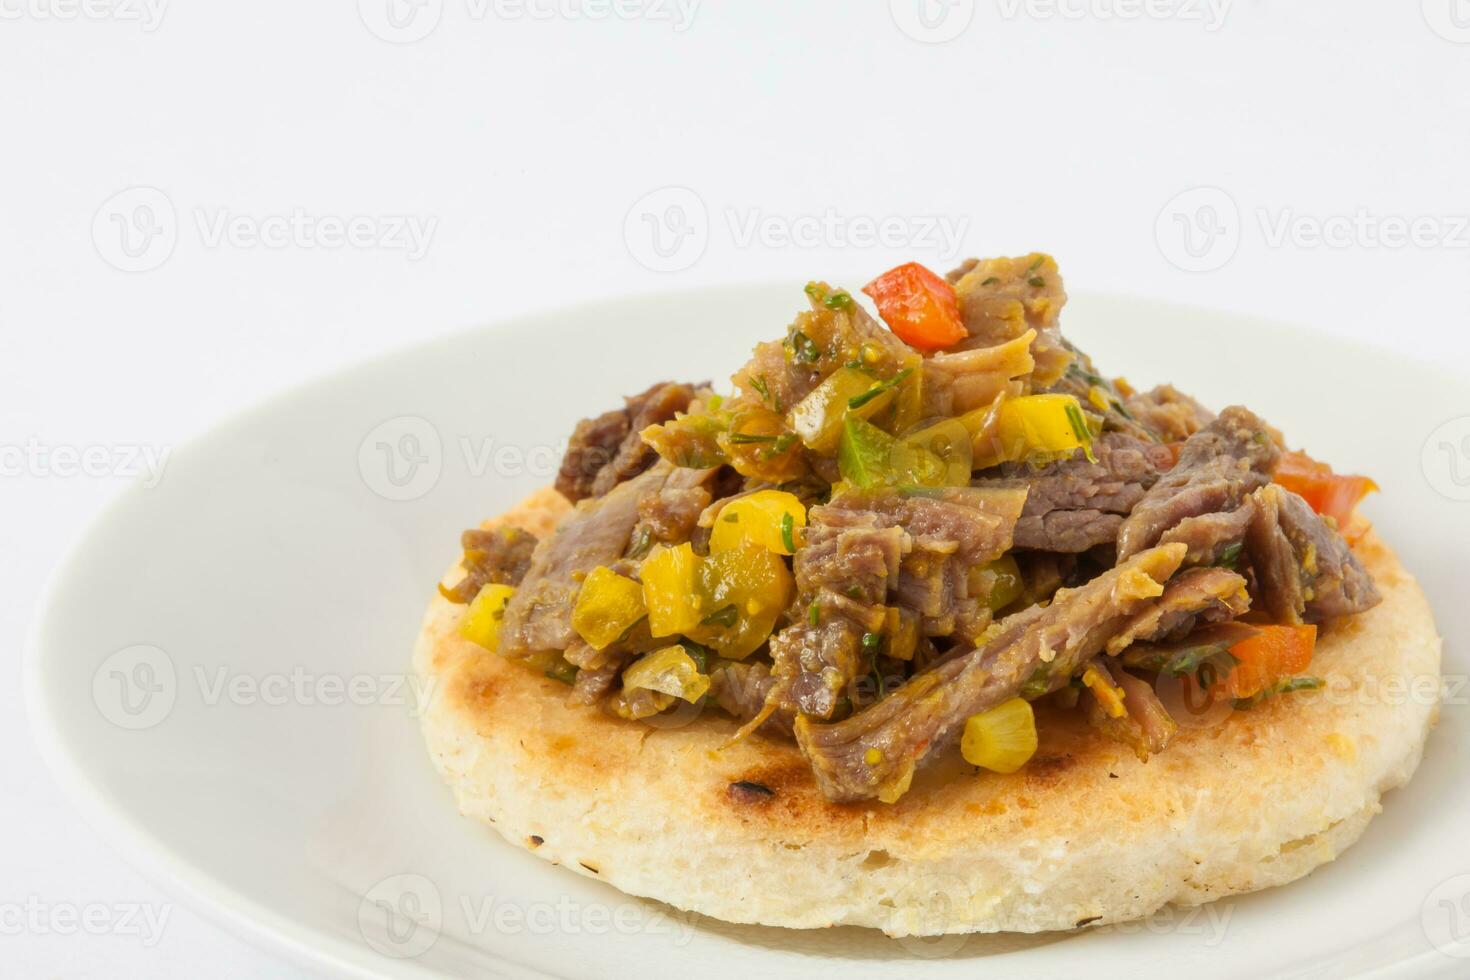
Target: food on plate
{"type": "Point", "coordinates": [926, 624]}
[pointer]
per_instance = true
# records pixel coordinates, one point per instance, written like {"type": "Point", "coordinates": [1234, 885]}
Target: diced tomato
{"type": "Point", "coordinates": [918, 306]}
{"type": "Point", "coordinates": [1329, 494]}
{"type": "Point", "coordinates": [1273, 654]}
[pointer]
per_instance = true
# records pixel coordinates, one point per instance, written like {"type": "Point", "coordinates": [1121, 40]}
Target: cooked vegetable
{"type": "Point", "coordinates": [949, 441]}
{"type": "Point", "coordinates": [744, 589]}
{"type": "Point", "coordinates": [869, 457]}
{"type": "Point", "coordinates": [920, 307]}
{"type": "Point", "coordinates": [1329, 494]}
{"type": "Point", "coordinates": [608, 606]}
{"type": "Point", "coordinates": [1109, 695]}
{"type": "Point", "coordinates": [998, 581]}
{"type": "Point", "coordinates": [848, 391]}
{"type": "Point", "coordinates": [1002, 739]}
{"type": "Point", "coordinates": [1271, 656]}
{"type": "Point", "coordinates": [671, 590]}
{"type": "Point", "coordinates": [481, 623]}
{"type": "Point", "coordinates": [1037, 428]}
{"type": "Point", "coordinates": [769, 518]}
{"type": "Point", "coordinates": [668, 671]}
{"type": "Point", "coordinates": [1289, 686]}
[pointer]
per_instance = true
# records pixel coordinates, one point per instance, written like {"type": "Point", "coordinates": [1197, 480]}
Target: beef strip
{"type": "Point", "coordinates": [1169, 413]}
{"type": "Point", "coordinates": [606, 450]}
{"type": "Point", "coordinates": [1305, 571]}
{"type": "Point", "coordinates": [1211, 537]}
{"type": "Point", "coordinates": [1000, 299]}
{"type": "Point", "coordinates": [742, 688]}
{"type": "Point", "coordinates": [1218, 467]}
{"type": "Point", "coordinates": [500, 556]}
{"type": "Point", "coordinates": [539, 616]}
{"type": "Point", "coordinates": [1146, 726]}
{"type": "Point", "coordinates": [864, 547]}
{"type": "Point", "coordinates": [594, 683]}
{"type": "Point", "coordinates": [875, 752]}
{"type": "Point", "coordinates": [1210, 595]}
{"type": "Point", "coordinates": [1074, 505]}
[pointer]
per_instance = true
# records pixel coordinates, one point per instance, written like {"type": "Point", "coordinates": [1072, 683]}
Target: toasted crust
{"type": "Point", "coordinates": [1084, 834]}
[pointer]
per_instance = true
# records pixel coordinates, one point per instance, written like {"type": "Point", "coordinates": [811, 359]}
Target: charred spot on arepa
{"type": "Point", "coordinates": [748, 791]}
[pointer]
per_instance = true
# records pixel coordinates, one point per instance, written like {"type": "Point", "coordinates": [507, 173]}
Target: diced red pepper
{"type": "Point", "coordinates": [1328, 493]}
{"type": "Point", "coordinates": [1273, 654]}
{"type": "Point", "coordinates": [918, 306]}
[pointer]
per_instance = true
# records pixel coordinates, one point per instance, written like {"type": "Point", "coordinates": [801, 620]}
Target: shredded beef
{"type": "Point", "coordinates": [606, 450]}
{"type": "Point", "coordinates": [1075, 505]}
{"type": "Point", "coordinates": [1169, 413]}
{"type": "Point", "coordinates": [1218, 467]}
{"type": "Point", "coordinates": [876, 752]}
{"type": "Point", "coordinates": [539, 616]}
{"type": "Point", "coordinates": [500, 556]}
{"type": "Point", "coordinates": [1304, 569]}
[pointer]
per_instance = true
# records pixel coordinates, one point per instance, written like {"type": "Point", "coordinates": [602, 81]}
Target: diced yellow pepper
{"type": "Point", "coordinates": [1002, 739]}
{"type": "Point", "coordinates": [744, 590]}
{"type": "Point", "coordinates": [481, 623]}
{"type": "Point", "coordinates": [608, 606]}
{"type": "Point", "coordinates": [769, 518]}
{"type": "Point", "coordinates": [1037, 426]}
{"type": "Point", "coordinates": [671, 590]}
{"type": "Point", "coordinates": [668, 671]}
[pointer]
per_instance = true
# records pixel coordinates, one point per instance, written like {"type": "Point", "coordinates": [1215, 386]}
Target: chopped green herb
{"type": "Point", "coordinates": [838, 301]}
{"type": "Point", "coordinates": [991, 281]}
{"type": "Point", "coordinates": [872, 641]}
{"type": "Point", "coordinates": [1037, 684]}
{"type": "Point", "coordinates": [1231, 555]}
{"type": "Point", "coordinates": [783, 442]}
{"type": "Point", "coordinates": [698, 652]}
{"type": "Point", "coordinates": [1036, 281]}
{"type": "Point", "coordinates": [761, 387]}
{"type": "Point", "coordinates": [725, 617]}
{"type": "Point", "coordinates": [1280, 687]}
{"type": "Point", "coordinates": [859, 401]}
{"type": "Point", "coordinates": [1080, 429]}
{"type": "Point", "coordinates": [642, 544]}
{"type": "Point", "coordinates": [814, 614]}
{"type": "Point", "coordinates": [803, 348]}
{"type": "Point", "coordinates": [880, 686]}
{"type": "Point", "coordinates": [623, 638]}
{"type": "Point", "coordinates": [788, 531]}
{"type": "Point", "coordinates": [731, 518]}
{"type": "Point", "coordinates": [1035, 264]}
{"type": "Point", "coordinates": [745, 438]}
{"type": "Point", "coordinates": [561, 671]}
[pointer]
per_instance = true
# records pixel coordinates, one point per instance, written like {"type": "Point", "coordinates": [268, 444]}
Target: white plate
{"type": "Point", "coordinates": [217, 675]}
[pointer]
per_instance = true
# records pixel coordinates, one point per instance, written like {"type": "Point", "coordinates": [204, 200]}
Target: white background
{"type": "Point", "coordinates": [529, 142]}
